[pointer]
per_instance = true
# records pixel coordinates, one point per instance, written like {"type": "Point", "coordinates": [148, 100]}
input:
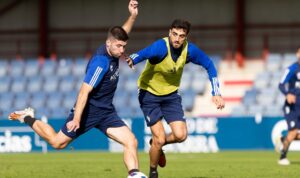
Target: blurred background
{"type": "Point", "coordinates": [45, 46]}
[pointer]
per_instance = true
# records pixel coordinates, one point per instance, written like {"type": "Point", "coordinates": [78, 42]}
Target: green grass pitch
{"type": "Point", "coordinates": [226, 164]}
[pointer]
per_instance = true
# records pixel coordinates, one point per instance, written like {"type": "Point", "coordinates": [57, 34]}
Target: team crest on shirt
{"type": "Point", "coordinates": [115, 75]}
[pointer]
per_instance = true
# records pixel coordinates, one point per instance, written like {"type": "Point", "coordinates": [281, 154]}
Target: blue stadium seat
{"type": "Point", "coordinates": [275, 79]}
{"type": "Point", "coordinates": [4, 66]}
{"type": "Point", "coordinates": [78, 83]}
{"type": "Point", "coordinates": [273, 63]}
{"type": "Point", "coordinates": [280, 99]}
{"type": "Point", "coordinates": [200, 76]}
{"type": "Point", "coordinates": [273, 111]}
{"type": "Point", "coordinates": [79, 67]}
{"type": "Point", "coordinates": [250, 97]}
{"type": "Point", "coordinates": [6, 101]}
{"type": "Point", "coordinates": [48, 68]}
{"type": "Point", "coordinates": [186, 81]}
{"type": "Point", "coordinates": [32, 68]}
{"type": "Point", "coordinates": [188, 99]}
{"type": "Point", "coordinates": [255, 109]}
{"type": "Point", "coordinates": [40, 112]}
{"type": "Point", "coordinates": [121, 99]}
{"type": "Point", "coordinates": [69, 99]}
{"type": "Point", "coordinates": [21, 100]}
{"type": "Point", "coordinates": [131, 84]}
{"type": "Point", "coordinates": [35, 84]}
{"type": "Point", "coordinates": [67, 83]}
{"type": "Point", "coordinates": [266, 97]}
{"type": "Point", "coordinates": [133, 101]}
{"type": "Point", "coordinates": [38, 99]}
{"type": "Point", "coordinates": [288, 59]}
{"type": "Point", "coordinates": [125, 70]}
{"type": "Point", "coordinates": [59, 113]}
{"type": "Point", "coordinates": [4, 113]}
{"type": "Point", "coordinates": [51, 83]}
{"type": "Point", "coordinates": [54, 100]}
{"type": "Point", "coordinates": [125, 111]}
{"type": "Point", "coordinates": [18, 84]}
{"type": "Point", "coordinates": [262, 80]}
{"type": "Point", "coordinates": [240, 110]}
{"type": "Point", "coordinates": [5, 84]}
{"type": "Point", "coordinates": [16, 68]}
{"type": "Point", "coordinates": [64, 67]}
{"type": "Point", "coordinates": [199, 87]}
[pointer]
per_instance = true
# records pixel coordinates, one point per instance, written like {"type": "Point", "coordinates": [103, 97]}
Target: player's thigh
{"type": "Point", "coordinates": [122, 135]}
{"type": "Point", "coordinates": [158, 133]}
{"type": "Point", "coordinates": [179, 129]}
{"type": "Point", "coordinates": [61, 140]}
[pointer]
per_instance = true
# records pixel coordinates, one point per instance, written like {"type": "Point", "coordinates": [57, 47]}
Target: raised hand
{"type": "Point", "coordinates": [129, 62]}
{"type": "Point", "coordinates": [219, 102]}
{"type": "Point", "coordinates": [133, 7]}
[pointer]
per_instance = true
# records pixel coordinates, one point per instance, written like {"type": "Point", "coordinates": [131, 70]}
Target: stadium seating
{"type": "Point", "coordinates": [264, 97]}
{"type": "Point", "coordinates": [51, 87]}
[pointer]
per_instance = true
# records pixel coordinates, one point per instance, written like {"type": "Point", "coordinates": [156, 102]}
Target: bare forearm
{"type": "Point", "coordinates": [133, 10]}
{"type": "Point", "coordinates": [129, 24]}
{"type": "Point", "coordinates": [80, 105]}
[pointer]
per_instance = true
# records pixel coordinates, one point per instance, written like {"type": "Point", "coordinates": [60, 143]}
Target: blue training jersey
{"type": "Point", "coordinates": [157, 51]}
{"type": "Point", "coordinates": [290, 82]}
{"type": "Point", "coordinates": [102, 73]}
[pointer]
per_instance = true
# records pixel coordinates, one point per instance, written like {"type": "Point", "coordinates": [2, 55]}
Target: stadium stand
{"type": "Point", "coordinates": [51, 86]}
{"type": "Point", "coordinates": [264, 97]}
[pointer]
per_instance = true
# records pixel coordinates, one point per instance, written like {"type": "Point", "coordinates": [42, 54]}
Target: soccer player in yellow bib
{"type": "Point", "coordinates": [158, 85]}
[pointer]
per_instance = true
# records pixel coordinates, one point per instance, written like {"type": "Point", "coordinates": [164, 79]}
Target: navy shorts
{"type": "Point", "coordinates": [292, 116]}
{"type": "Point", "coordinates": [157, 107]}
{"type": "Point", "coordinates": [93, 117]}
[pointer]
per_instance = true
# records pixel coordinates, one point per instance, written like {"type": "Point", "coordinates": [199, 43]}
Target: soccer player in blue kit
{"type": "Point", "coordinates": [94, 108]}
{"type": "Point", "coordinates": [290, 87]}
{"type": "Point", "coordinates": [158, 85]}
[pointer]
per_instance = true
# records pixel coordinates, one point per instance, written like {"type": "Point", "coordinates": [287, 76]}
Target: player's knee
{"type": "Point", "coordinates": [132, 143]}
{"type": "Point", "coordinates": [159, 141]}
{"type": "Point", "coordinates": [57, 145]}
{"type": "Point", "coordinates": [181, 137]}
{"type": "Point", "coordinates": [292, 135]}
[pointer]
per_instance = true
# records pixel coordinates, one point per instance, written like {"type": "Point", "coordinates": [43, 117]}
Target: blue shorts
{"type": "Point", "coordinates": [93, 117]}
{"type": "Point", "coordinates": [292, 116]}
{"type": "Point", "coordinates": [157, 107]}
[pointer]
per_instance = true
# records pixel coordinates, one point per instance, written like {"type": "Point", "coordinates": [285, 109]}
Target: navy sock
{"type": "Point", "coordinates": [29, 120]}
{"type": "Point", "coordinates": [133, 170]}
{"type": "Point", "coordinates": [284, 152]}
{"type": "Point", "coordinates": [152, 169]}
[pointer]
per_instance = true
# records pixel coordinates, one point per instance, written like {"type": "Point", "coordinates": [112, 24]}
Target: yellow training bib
{"type": "Point", "coordinates": [163, 78]}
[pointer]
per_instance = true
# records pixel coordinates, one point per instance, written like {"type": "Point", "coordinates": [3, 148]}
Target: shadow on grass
{"type": "Point", "coordinates": [295, 162]}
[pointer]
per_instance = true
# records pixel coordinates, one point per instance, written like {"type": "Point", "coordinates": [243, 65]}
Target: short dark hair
{"type": "Point", "coordinates": [118, 33]}
{"type": "Point", "coordinates": [179, 23]}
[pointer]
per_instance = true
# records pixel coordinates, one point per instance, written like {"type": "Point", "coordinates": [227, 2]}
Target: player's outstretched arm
{"type": "Point", "coordinates": [218, 101]}
{"type": "Point", "coordinates": [80, 105]}
{"type": "Point", "coordinates": [133, 10]}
